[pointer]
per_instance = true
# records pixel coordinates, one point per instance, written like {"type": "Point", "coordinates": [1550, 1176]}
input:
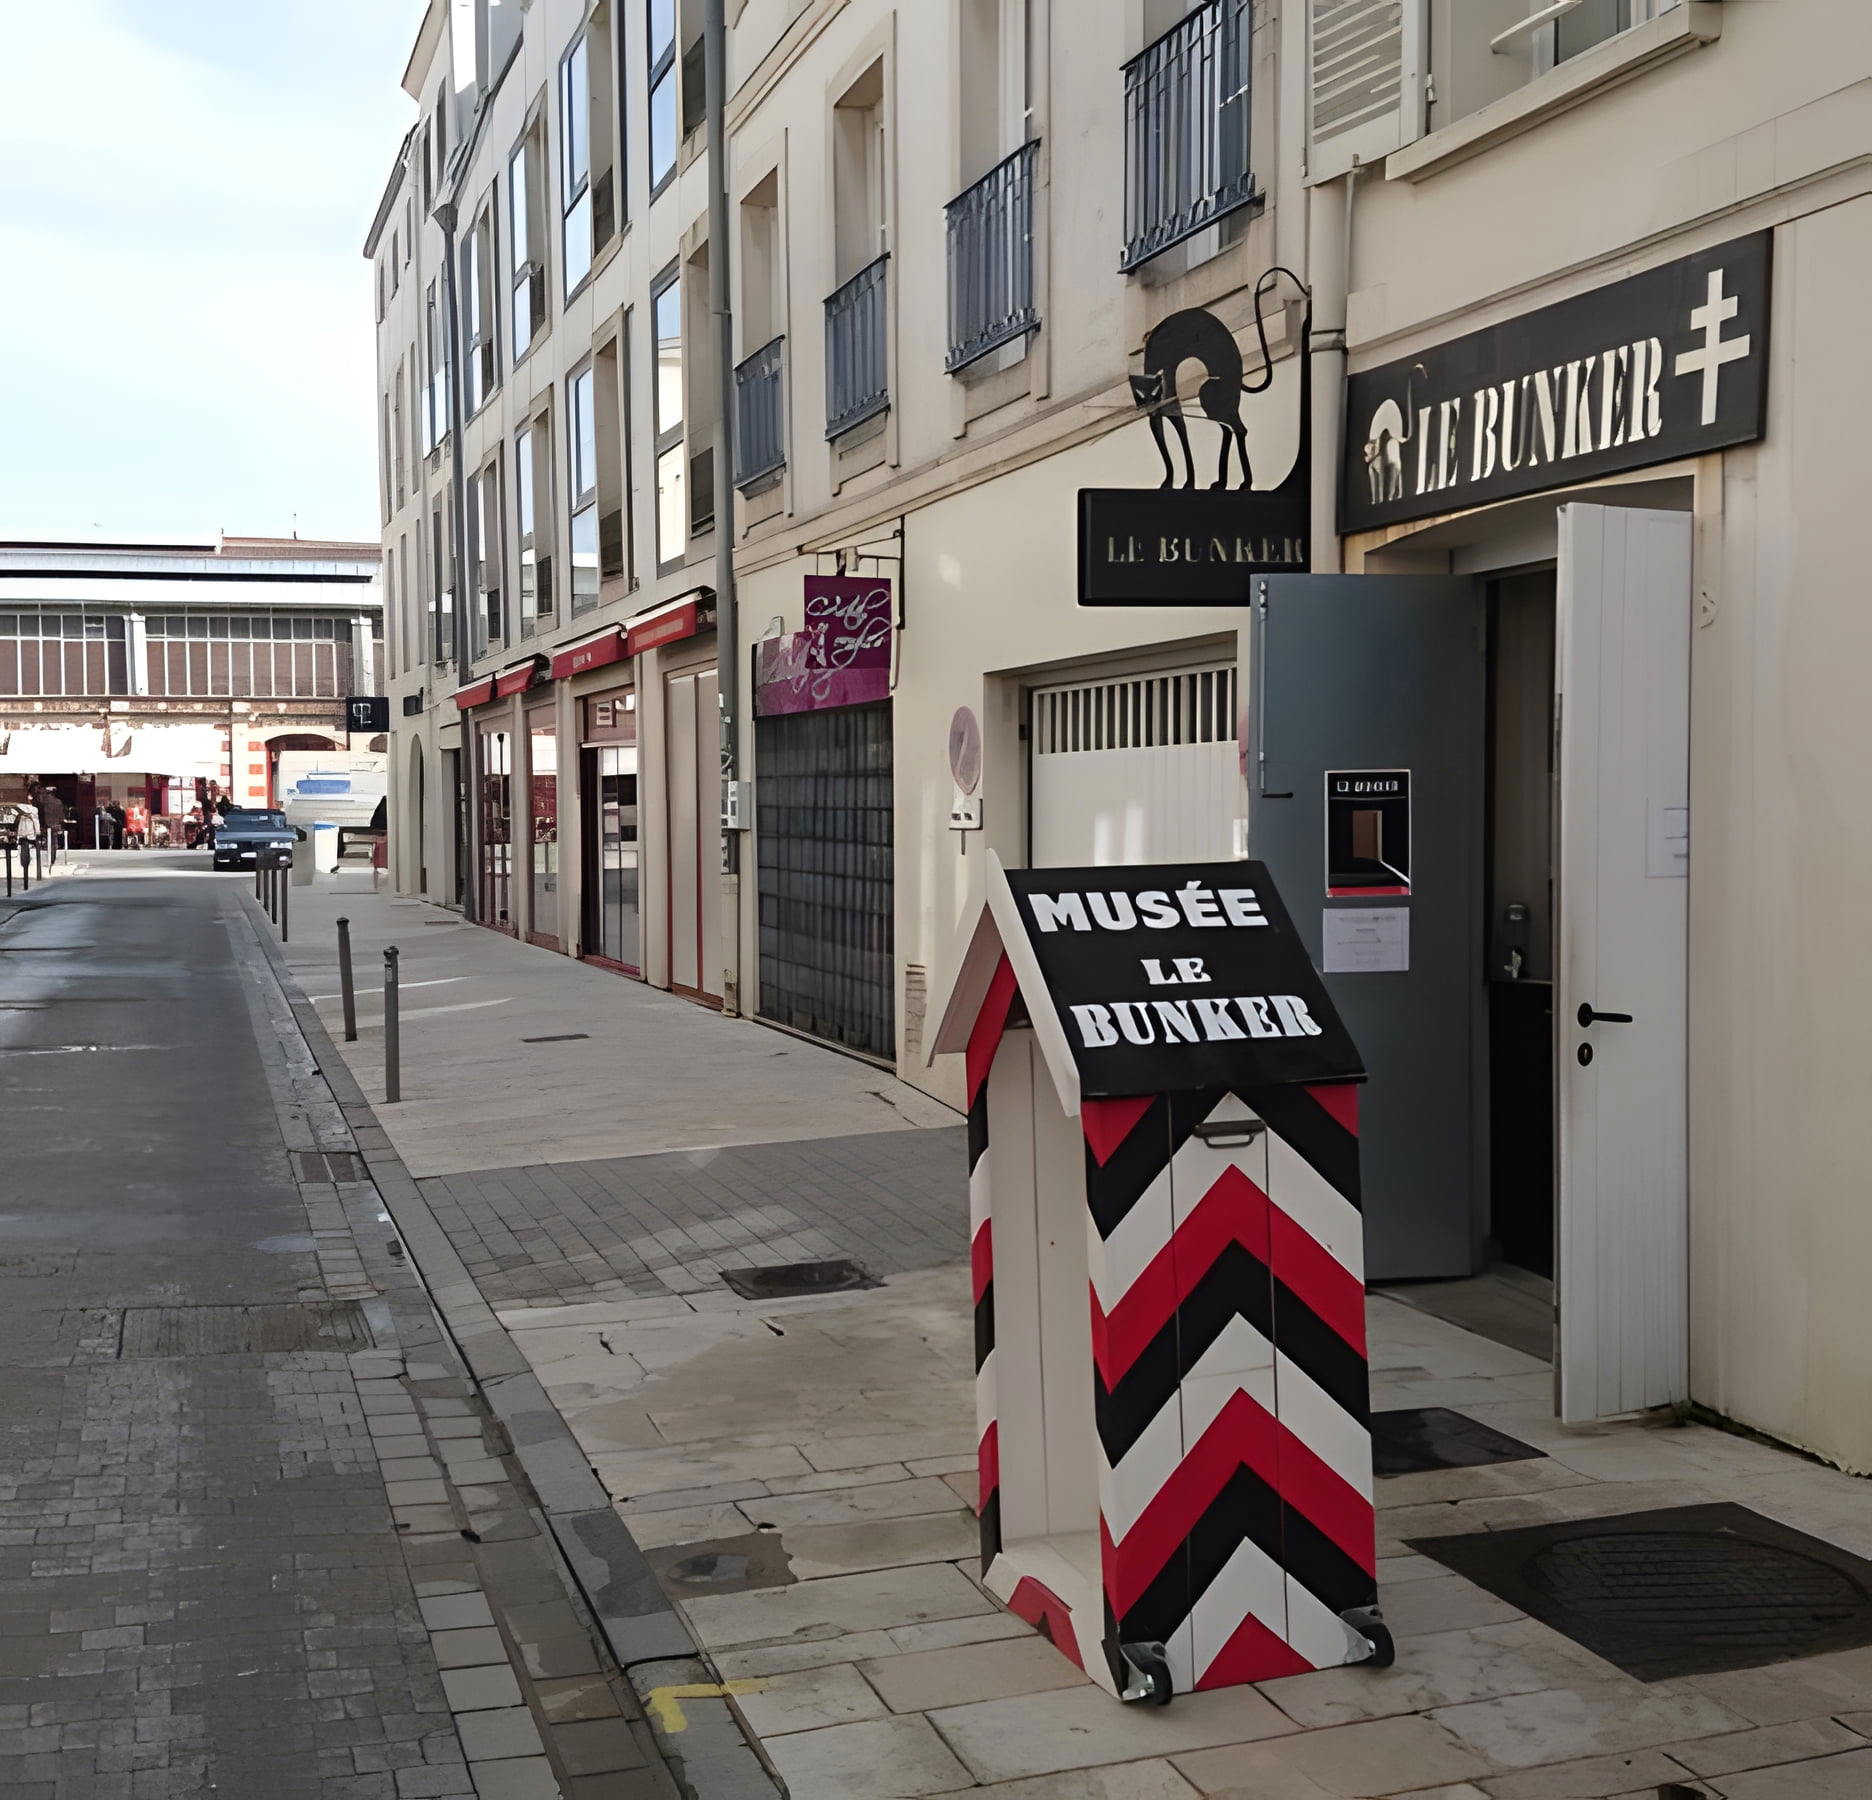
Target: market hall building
{"type": "Point", "coordinates": [1583, 291]}
{"type": "Point", "coordinates": [163, 674]}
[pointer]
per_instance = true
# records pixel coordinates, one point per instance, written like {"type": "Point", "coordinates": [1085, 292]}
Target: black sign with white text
{"type": "Point", "coordinates": [368, 712]}
{"type": "Point", "coordinates": [1670, 363]}
{"type": "Point", "coordinates": [1368, 831]}
{"type": "Point", "coordinates": [1170, 979]}
{"type": "Point", "coordinates": [1187, 547]}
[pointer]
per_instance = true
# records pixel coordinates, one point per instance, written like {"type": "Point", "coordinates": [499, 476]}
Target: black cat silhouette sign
{"type": "Point", "coordinates": [1189, 542]}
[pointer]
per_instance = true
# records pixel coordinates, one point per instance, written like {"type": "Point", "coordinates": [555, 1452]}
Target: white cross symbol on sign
{"type": "Point", "coordinates": [1709, 357]}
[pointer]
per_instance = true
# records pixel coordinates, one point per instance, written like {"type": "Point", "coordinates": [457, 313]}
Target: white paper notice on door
{"type": "Point", "coordinates": [1366, 940]}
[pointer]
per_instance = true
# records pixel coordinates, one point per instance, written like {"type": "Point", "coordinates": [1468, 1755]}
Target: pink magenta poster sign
{"type": "Point", "coordinates": [840, 657]}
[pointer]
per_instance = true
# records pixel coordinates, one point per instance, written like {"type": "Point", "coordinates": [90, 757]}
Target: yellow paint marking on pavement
{"type": "Point", "coordinates": [664, 1707]}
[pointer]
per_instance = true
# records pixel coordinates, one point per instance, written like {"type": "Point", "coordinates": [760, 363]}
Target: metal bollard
{"type": "Point", "coordinates": [9, 871]}
{"type": "Point", "coordinates": [393, 1076]}
{"type": "Point", "coordinates": [26, 858]}
{"type": "Point", "coordinates": [259, 883]}
{"type": "Point", "coordinates": [345, 987]}
{"type": "Point", "coordinates": [285, 894]}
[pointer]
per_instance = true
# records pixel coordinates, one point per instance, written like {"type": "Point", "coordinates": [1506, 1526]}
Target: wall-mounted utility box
{"type": "Point", "coordinates": [1168, 1267]}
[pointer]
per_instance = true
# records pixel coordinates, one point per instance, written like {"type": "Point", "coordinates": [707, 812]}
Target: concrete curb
{"type": "Point", "coordinates": [713, 1757]}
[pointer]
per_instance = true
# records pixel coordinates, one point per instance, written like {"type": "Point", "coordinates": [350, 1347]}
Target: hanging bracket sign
{"type": "Point", "coordinates": [840, 657]}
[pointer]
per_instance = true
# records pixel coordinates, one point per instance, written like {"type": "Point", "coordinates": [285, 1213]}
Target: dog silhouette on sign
{"type": "Point", "coordinates": [1197, 335]}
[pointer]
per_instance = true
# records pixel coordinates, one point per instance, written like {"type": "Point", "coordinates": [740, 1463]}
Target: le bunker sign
{"type": "Point", "coordinates": [1670, 363]}
{"type": "Point", "coordinates": [1170, 979]}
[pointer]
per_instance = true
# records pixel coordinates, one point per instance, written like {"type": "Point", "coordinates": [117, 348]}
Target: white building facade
{"type": "Point", "coordinates": [1553, 336]}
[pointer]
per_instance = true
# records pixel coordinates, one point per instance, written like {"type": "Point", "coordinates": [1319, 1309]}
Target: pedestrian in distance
{"type": "Point", "coordinates": [52, 816]}
{"type": "Point", "coordinates": [115, 814]}
{"type": "Point", "coordinates": [136, 825]}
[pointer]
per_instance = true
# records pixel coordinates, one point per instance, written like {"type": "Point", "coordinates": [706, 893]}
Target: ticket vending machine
{"type": "Point", "coordinates": [1171, 1384]}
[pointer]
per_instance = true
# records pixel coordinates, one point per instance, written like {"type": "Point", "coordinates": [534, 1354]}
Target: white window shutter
{"type": "Point", "coordinates": [1365, 81]}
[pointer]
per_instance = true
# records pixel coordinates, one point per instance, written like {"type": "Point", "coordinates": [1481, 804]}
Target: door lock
{"type": "Point", "coordinates": [1588, 1017]}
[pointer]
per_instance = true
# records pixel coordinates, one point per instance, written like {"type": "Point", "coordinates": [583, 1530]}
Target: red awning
{"type": "Point", "coordinates": [516, 681]}
{"type": "Point", "coordinates": [594, 653]}
{"type": "Point", "coordinates": [476, 693]}
{"type": "Point", "coordinates": [670, 627]}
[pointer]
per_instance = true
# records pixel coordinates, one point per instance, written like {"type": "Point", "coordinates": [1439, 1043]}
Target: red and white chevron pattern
{"type": "Point", "coordinates": [1230, 1381]}
{"type": "Point", "coordinates": [984, 1043]}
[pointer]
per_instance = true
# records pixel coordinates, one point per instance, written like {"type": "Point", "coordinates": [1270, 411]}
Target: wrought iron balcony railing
{"type": "Point", "coordinates": [760, 422]}
{"type": "Point", "coordinates": [1186, 130]}
{"type": "Point", "coordinates": [857, 359]}
{"type": "Point", "coordinates": [991, 260]}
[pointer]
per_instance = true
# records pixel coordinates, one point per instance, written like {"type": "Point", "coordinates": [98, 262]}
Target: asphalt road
{"type": "Point", "coordinates": [201, 1585]}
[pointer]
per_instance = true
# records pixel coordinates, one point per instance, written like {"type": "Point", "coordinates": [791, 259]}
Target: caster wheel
{"type": "Point", "coordinates": [1152, 1684]}
{"type": "Point", "coordinates": [1376, 1633]}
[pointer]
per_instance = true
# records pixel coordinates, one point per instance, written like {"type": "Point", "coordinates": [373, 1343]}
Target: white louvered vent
{"type": "Point", "coordinates": [1141, 712]}
{"type": "Point", "coordinates": [1365, 85]}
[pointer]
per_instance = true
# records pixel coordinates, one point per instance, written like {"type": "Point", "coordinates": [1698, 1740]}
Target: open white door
{"type": "Point", "coordinates": [1623, 675]}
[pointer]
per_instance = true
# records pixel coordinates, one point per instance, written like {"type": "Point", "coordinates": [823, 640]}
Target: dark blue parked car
{"type": "Point", "coordinates": [243, 833]}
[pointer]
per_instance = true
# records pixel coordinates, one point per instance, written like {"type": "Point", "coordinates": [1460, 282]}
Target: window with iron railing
{"type": "Point", "coordinates": [526, 246]}
{"type": "Point", "coordinates": [1186, 105]}
{"type": "Point", "coordinates": [991, 263]}
{"type": "Point", "coordinates": [857, 359]}
{"type": "Point", "coordinates": [760, 429]}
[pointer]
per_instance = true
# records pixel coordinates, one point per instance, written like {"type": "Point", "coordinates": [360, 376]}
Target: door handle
{"type": "Point", "coordinates": [1588, 1017]}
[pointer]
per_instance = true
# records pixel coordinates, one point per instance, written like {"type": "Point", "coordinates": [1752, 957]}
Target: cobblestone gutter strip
{"type": "Point", "coordinates": [711, 1755]}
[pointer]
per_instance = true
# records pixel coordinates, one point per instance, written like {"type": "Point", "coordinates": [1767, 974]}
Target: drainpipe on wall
{"type": "Point", "coordinates": [458, 550]}
{"type": "Point", "coordinates": [1329, 247]}
{"type": "Point", "coordinates": [727, 629]}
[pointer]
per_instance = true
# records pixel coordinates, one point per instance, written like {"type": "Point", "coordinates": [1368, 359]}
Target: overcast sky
{"type": "Point", "coordinates": [186, 330]}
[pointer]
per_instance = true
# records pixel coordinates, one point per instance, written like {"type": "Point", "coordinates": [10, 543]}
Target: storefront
{"type": "Point", "coordinates": [1482, 777]}
{"type": "Point", "coordinates": [604, 713]}
{"type": "Point", "coordinates": [824, 819]}
{"type": "Point", "coordinates": [683, 667]}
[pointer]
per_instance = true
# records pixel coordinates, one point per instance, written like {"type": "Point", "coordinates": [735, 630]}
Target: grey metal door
{"type": "Point", "coordinates": [823, 824]}
{"type": "Point", "coordinates": [1370, 679]}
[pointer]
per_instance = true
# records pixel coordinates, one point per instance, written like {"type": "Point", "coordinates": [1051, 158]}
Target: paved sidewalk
{"type": "Point", "coordinates": [514, 1056]}
{"type": "Point", "coordinates": [800, 1475]}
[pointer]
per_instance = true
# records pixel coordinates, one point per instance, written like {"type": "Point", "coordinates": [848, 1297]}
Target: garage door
{"type": "Point", "coordinates": [823, 818]}
{"type": "Point", "coordinates": [1136, 769]}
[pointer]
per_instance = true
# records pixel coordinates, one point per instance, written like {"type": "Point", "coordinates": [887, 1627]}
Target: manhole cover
{"type": "Point", "coordinates": [330, 1165]}
{"type": "Point", "coordinates": [784, 1281]}
{"type": "Point", "coordinates": [242, 1330]}
{"type": "Point", "coordinates": [733, 1565]}
{"type": "Point", "coordinates": [1688, 1590]}
{"type": "Point", "coordinates": [1415, 1438]}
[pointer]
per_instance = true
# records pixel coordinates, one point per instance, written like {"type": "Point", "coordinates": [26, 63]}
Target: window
{"type": "Point", "coordinates": [1186, 130]}
{"type": "Point", "coordinates": [525, 243]}
{"type": "Point", "coordinates": [396, 261]}
{"type": "Point", "coordinates": [56, 655]}
{"type": "Point", "coordinates": [293, 656]}
{"type": "Point", "coordinates": [390, 584]}
{"type": "Point", "coordinates": [701, 409]}
{"type": "Point", "coordinates": [858, 173]}
{"type": "Point", "coordinates": [442, 586]}
{"type": "Point", "coordinates": [1591, 22]}
{"type": "Point", "coordinates": [575, 163]}
{"type": "Point", "coordinates": [526, 513]}
{"type": "Point", "coordinates": [384, 452]}
{"type": "Point", "coordinates": [663, 78]}
{"type": "Point", "coordinates": [614, 532]}
{"type": "Point", "coordinates": [582, 484]}
{"type": "Point", "coordinates": [396, 436]}
{"type": "Point", "coordinates": [404, 613]}
{"type": "Point", "coordinates": [428, 169]}
{"type": "Point", "coordinates": [606, 189]}
{"type": "Point", "coordinates": [484, 510]}
{"type": "Point", "coordinates": [671, 473]}
{"type": "Point", "coordinates": [479, 302]}
{"type": "Point", "coordinates": [382, 290]}
{"type": "Point", "coordinates": [435, 382]}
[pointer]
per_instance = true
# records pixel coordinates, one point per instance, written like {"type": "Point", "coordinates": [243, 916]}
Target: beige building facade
{"type": "Point", "coordinates": [954, 229]}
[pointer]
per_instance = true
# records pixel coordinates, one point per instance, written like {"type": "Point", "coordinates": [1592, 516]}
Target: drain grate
{"type": "Point", "coordinates": [564, 1037]}
{"type": "Point", "coordinates": [1687, 1590]}
{"type": "Point", "coordinates": [242, 1330]}
{"type": "Point", "coordinates": [330, 1165]}
{"type": "Point", "coordinates": [785, 1281]}
{"type": "Point", "coordinates": [1416, 1438]}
